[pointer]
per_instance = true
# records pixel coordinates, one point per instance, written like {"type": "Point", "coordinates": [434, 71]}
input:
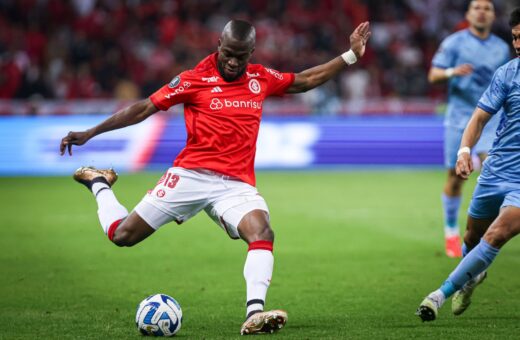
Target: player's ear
{"type": "Point", "coordinates": [219, 44]}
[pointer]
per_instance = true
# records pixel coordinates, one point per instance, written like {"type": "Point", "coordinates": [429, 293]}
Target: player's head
{"type": "Point", "coordinates": [514, 23]}
{"type": "Point", "coordinates": [480, 15]}
{"type": "Point", "coordinates": [235, 47]}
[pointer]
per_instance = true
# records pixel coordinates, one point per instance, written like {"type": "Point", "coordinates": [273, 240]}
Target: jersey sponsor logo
{"type": "Point", "coordinates": [185, 85]}
{"type": "Point", "coordinates": [175, 81]}
{"type": "Point", "coordinates": [254, 86]}
{"type": "Point", "coordinates": [216, 89]}
{"type": "Point", "coordinates": [213, 79]}
{"type": "Point", "coordinates": [276, 74]}
{"type": "Point", "coordinates": [252, 75]}
{"type": "Point", "coordinates": [217, 104]}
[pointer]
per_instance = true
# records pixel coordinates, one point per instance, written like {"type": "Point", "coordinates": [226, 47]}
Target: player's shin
{"type": "Point", "coordinates": [258, 270]}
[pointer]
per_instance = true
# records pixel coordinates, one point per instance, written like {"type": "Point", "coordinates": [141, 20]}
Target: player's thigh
{"type": "Point", "coordinates": [229, 210]}
{"type": "Point", "coordinates": [452, 138]}
{"type": "Point", "coordinates": [179, 195]}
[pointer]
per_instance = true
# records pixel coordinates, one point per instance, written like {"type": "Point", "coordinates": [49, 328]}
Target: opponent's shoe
{"type": "Point", "coordinates": [88, 175]}
{"type": "Point", "coordinates": [453, 248]}
{"type": "Point", "coordinates": [462, 298]}
{"type": "Point", "coordinates": [428, 309]}
{"type": "Point", "coordinates": [264, 322]}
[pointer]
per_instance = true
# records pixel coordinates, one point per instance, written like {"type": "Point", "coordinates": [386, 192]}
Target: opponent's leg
{"type": "Point", "coordinates": [505, 227]}
{"type": "Point", "coordinates": [451, 199]}
{"type": "Point", "coordinates": [121, 228]}
{"type": "Point", "coordinates": [475, 229]}
{"type": "Point", "coordinates": [254, 228]}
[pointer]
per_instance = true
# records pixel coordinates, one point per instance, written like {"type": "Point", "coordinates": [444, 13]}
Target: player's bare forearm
{"type": "Point", "coordinates": [315, 76]}
{"type": "Point", "coordinates": [464, 166]}
{"type": "Point", "coordinates": [439, 75]}
{"type": "Point", "coordinates": [474, 128]}
{"type": "Point", "coordinates": [131, 115]}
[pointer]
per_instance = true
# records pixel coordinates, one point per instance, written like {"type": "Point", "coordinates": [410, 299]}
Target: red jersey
{"type": "Point", "coordinates": [222, 118]}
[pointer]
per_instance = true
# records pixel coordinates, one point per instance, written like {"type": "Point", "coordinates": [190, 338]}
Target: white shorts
{"type": "Point", "coordinates": [182, 193]}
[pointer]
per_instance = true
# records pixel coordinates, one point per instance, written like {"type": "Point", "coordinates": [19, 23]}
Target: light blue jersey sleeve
{"type": "Point", "coordinates": [493, 98]}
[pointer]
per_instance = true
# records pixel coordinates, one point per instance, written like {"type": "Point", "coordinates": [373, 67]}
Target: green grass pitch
{"type": "Point", "coordinates": [355, 253]}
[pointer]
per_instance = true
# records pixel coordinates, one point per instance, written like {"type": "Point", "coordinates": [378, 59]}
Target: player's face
{"type": "Point", "coordinates": [233, 56]}
{"type": "Point", "coordinates": [481, 14]}
{"type": "Point", "coordinates": [516, 39]}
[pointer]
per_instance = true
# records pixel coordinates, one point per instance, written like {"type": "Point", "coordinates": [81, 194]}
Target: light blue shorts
{"type": "Point", "coordinates": [488, 199]}
{"type": "Point", "coordinates": [453, 136]}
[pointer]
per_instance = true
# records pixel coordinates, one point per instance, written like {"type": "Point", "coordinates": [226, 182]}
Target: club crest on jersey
{"type": "Point", "coordinates": [254, 86]}
{"type": "Point", "coordinates": [175, 81]}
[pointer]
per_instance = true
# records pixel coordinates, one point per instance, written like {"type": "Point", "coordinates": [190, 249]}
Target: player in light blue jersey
{"type": "Point", "coordinates": [466, 59]}
{"type": "Point", "coordinates": [494, 213]}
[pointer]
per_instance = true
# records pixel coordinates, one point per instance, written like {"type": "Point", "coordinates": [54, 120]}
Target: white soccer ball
{"type": "Point", "coordinates": [159, 315]}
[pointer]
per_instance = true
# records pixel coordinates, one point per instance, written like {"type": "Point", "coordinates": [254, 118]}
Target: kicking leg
{"type": "Point", "coordinates": [121, 228]}
{"type": "Point", "coordinates": [254, 228]}
{"type": "Point", "coordinates": [505, 227]}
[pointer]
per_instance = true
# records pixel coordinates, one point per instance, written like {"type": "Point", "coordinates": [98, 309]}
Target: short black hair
{"type": "Point", "coordinates": [514, 18]}
{"type": "Point", "coordinates": [241, 30]}
{"type": "Point", "coordinates": [468, 3]}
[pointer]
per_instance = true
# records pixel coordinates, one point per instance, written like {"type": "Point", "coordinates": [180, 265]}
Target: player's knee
{"type": "Point", "coordinates": [497, 236]}
{"type": "Point", "coordinates": [123, 238]}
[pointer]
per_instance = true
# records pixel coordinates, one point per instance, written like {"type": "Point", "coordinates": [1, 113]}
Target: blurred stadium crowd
{"type": "Point", "coordinates": [127, 49]}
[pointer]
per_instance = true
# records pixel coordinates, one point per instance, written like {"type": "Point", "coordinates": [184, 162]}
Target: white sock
{"type": "Point", "coordinates": [258, 270]}
{"type": "Point", "coordinates": [438, 297]}
{"type": "Point", "coordinates": [109, 208]}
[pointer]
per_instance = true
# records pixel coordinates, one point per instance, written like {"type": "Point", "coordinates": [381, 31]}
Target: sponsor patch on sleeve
{"type": "Point", "coordinates": [175, 81]}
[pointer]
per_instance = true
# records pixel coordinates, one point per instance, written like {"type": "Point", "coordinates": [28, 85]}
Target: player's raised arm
{"type": "Point", "coordinates": [131, 115]}
{"type": "Point", "coordinates": [315, 76]}
{"type": "Point", "coordinates": [464, 166]}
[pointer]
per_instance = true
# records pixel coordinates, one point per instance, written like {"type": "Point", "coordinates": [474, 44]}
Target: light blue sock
{"type": "Point", "coordinates": [451, 207]}
{"type": "Point", "coordinates": [475, 262]}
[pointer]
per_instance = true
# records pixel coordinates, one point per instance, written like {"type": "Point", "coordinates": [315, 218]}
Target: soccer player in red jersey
{"type": "Point", "coordinates": [223, 97]}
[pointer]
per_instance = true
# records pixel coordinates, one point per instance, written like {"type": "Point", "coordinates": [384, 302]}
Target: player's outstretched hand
{"type": "Point", "coordinates": [464, 166]}
{"type": "Point", "coordinates": [359, 38]}
{"type": "Point", "coordinates": [73, 138]}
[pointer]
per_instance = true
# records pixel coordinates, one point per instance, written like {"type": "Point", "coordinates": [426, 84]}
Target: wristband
{"type": "Point", "coordinates": [449, 72]}
{"type": "Point", "coordinates": [349, 57]}
{"type": "Point", "coordinates": [462, 150]}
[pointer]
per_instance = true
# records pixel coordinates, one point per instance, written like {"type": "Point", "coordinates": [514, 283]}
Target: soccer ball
{"type": "Point", "coordinates": [159, 315]}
